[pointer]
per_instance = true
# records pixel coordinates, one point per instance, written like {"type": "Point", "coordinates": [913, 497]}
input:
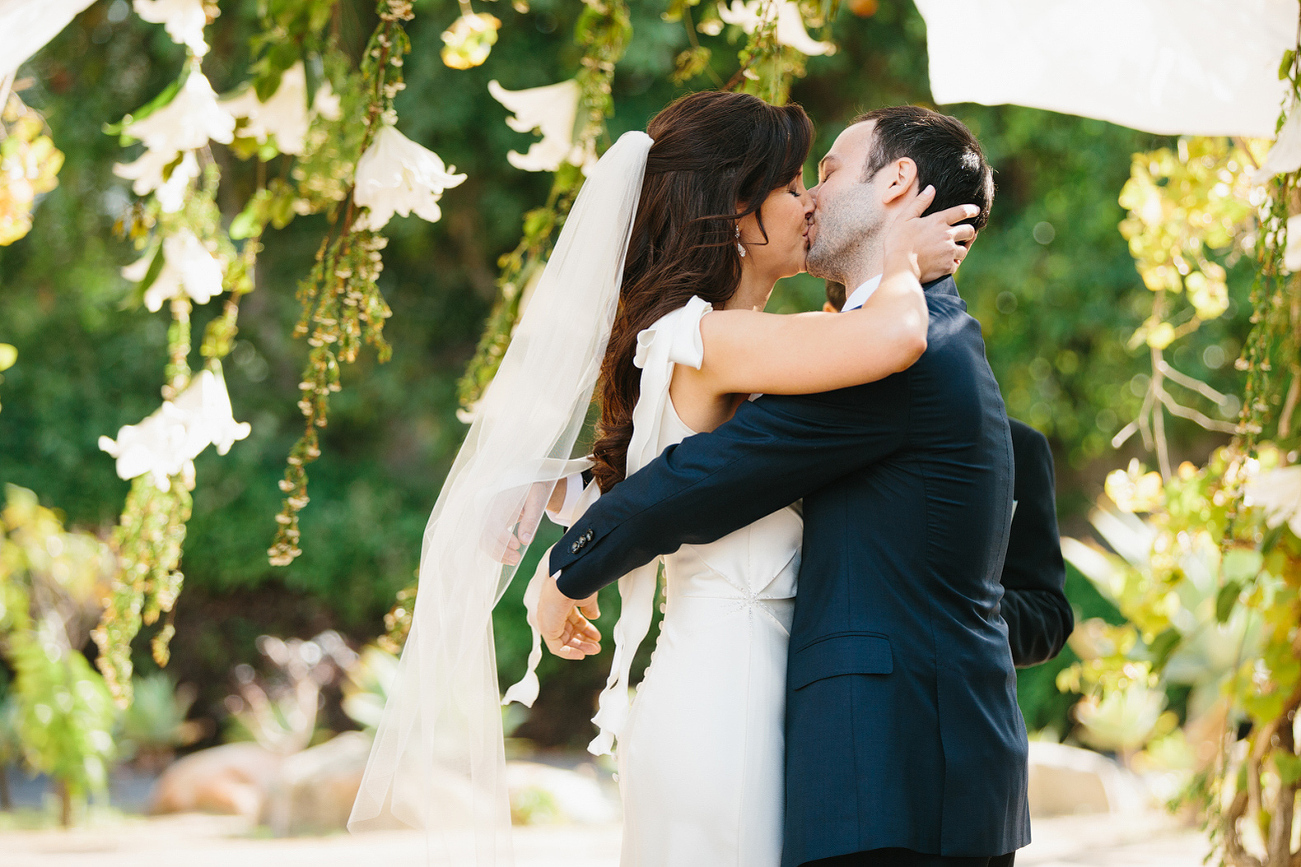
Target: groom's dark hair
{"type": "Point", "coordinates": [946, 153]}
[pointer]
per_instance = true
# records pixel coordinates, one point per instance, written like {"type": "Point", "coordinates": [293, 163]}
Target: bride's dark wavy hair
{"type": "Point", "coordinates": [714, 152]}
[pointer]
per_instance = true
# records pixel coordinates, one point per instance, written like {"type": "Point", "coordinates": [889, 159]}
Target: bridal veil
{"type": "Point", "coordinates": [438, 761]}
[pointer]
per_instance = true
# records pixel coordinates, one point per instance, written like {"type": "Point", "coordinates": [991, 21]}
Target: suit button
{"type": "Point", "coordinates": [573, 549]}
{"type": "Point", "coordinates": [587, 537]}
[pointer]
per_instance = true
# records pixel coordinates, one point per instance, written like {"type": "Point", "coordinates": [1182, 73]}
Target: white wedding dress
{"type": "Point", "coordinates": [700, 753]}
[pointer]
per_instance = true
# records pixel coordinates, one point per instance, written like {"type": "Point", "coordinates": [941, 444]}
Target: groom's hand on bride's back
{"type": "Point", "coordinates": [565, 624]}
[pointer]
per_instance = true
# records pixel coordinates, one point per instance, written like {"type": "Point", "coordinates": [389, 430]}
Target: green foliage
{"type": "Point", "coordinates": [148, 541]}
{"type": "Point", "coordinates": [154, 725]}
{"type": "Point", "coordinates": [1184, 205]}
{"type": "Point", "coordinates": [603, 30]}
{"type": "Point", "coordinates": [49, 581]}
{"type": "Point", "coordinates": [29, 165]}
{"type": "Point", "coordinates": [341, 299]}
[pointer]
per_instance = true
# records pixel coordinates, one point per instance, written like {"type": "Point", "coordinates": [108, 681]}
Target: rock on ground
{"type": "Point", "coordinates": [1067, 780]}
{"type": "Point", "coordinates": [230, 779]}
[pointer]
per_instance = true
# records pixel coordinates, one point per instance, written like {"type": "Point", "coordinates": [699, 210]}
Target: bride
{"type": "Point", "coordinates": [656, 283]}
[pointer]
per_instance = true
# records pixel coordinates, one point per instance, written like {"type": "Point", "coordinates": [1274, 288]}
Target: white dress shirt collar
{"type": "Point", "coordinates": [861, 294]}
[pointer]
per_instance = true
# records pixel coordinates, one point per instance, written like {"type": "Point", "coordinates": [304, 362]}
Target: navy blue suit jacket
{"type": "Point", "coordinates": [1038, 616]}
{"type": "Point", "coordinates": [902, 727]}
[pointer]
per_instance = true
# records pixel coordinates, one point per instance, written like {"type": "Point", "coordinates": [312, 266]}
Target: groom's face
{"type": "Point", "coordinates": [849, 210]}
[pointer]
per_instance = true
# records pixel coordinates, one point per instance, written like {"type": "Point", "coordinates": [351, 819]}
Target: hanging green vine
{"type": "Point", "coordinates": [151, 530]}
{"type": "Point", "coordinates": [342, 303]}
{"type": "Point", "coordinates": [603, 31]}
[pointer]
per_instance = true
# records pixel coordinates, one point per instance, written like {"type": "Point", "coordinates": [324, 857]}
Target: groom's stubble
{"type": "Point", "coordinates": [848, 244]}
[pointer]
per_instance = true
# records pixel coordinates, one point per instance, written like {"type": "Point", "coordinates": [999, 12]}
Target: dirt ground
{"type": "Point", "coordinates": [193, 840]}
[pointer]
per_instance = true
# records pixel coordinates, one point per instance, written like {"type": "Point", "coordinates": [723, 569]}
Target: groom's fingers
{"type": "Point", "coordinates": [578, 639]}
{"type": "Point", "coordinates": [583, 630]}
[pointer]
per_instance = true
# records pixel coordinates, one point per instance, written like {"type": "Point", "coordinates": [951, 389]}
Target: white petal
{"type": "Point", "coordinates": [326, 103]}
{"type": "Point", "coordinates": [155, 446]}
{"type": "Point", "coordinates": [1285, 156]}
{"type": "Point", "coordinates": [1278, 492]}
{"type": "Point", "coordinates": [183, 20]}
{"type": "Point", "coordinates": [188, 121]}
{"type": "Point", "coordinates": [1292, 253]}
{"type": "Point", "coordinates": [553, 111]}
{"type": "Point", "coordinates": [396, 175]}
{"type": "Point", "coordinates": [146, 170]}
{"type": "Point", "coordinates": [791, 32]}
{"type": "Point", "coordinates": [743, 15]}
{"type": "Point", "coordinates": [171, 193]}
{"type": "Point", "coordinates": [136, 271]}
{"type": "Point", "coordinates": [208, 415]}
{"type": "Point", "coordinates": [283, 115]}
{"type": "Point", "coordinates": [166, 285]}
{"type": "Point", "coordinates": [244, 104]}
{"type": "Point", "coordinates": [201, 272]}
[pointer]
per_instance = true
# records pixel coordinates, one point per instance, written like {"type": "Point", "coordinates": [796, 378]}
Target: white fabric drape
{"type": "Point", "coordinates": [1197, 67]}
{"type": "Point", "coordinates": [26, 25]}
{"type": "Point", "coordinates": [438, 761]}
{"type": "Point", "coordinates": [674, 339]}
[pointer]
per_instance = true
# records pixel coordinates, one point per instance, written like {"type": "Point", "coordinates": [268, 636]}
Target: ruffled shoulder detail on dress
{"type": "Point", "coordinates": [678, 331]}
{"type": "Point", "coordinates": [673, 339]}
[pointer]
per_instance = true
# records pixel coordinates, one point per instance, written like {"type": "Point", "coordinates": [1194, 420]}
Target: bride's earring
{"type": "Point", "coordinates": [740, 248]}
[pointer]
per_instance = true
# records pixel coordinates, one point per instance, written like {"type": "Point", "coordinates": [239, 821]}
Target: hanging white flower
{"type": "Point", "coordinates": [187, 122]}
{"type": "Point", "coordinates": [326, 102]}
{"type": "Point", "coordinates": [396, 175]}
{"type": "Point", "coordinates": [1292, 253]}
{"type": "Point", "coordinates": [284, 115]}
{"type": "Point", "coordinates": [1285, 156]}
{"type": "Point", "coordinates": [189, 268]}
{"type": "Point", "coordinates": [147, 172]}
{"type": "Point", "coordinates": [156, 446]}
{"type": "Point", "coordinates": [552, 110]}
{"type": "Point", "coordinates": [790, 23]}
{"type": "Point", "coordinates": [183, 20]}
{"type": "Point", "coordinates": [166, 443]}
{"type": "Point", "coordinates": [176, 130]}
{"type": "Point", "coordinates": [208, 415]}
{"type": "Point", "coordinates": [1278, 492]}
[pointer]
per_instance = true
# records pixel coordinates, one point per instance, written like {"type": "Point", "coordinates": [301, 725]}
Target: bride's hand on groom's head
{"type": "Point", "coordinates": [565, 624]}
{"type": "Point", "coordinates": [931, 246]}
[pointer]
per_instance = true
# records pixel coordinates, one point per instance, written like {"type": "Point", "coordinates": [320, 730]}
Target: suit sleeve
{"type": "Point", "coordinates": [771, 453]}
{"type": "Point", "coordinates": [1039, 618]}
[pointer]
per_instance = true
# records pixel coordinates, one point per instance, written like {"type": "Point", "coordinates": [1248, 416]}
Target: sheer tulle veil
{"type": "Point", "coordinates": [438, 762]}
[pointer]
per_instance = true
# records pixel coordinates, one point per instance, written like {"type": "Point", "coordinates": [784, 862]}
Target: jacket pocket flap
{"type": "Point", "coordinates": [837, 655]}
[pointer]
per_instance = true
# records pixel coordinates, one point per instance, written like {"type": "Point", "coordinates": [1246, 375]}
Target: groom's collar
{"type": "Point", "coordinates": [942, 286]}
{"type": "Point", "coordinates": [860, 295]}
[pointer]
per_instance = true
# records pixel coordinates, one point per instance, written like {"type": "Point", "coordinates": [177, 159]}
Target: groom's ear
{"type": "Point", "coordinates": [900, 178]}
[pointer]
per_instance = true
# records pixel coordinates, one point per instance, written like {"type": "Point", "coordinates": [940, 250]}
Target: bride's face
{"type": "Point", "coordinates": [786, 214]}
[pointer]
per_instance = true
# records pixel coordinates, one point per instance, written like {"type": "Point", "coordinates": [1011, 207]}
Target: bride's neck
{"type": "Point", "coordinates": [752, 293]}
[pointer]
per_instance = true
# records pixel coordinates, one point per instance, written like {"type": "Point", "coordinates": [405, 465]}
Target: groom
{"type": "Point", "coordinates": [904, 742]}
